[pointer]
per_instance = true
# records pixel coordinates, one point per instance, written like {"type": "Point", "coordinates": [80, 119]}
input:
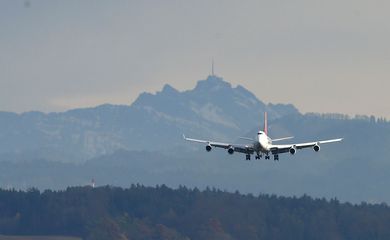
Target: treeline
{"type": "Point", "coordinates": [162, 213]}
{"type": "Point", "coordinates": [339, 116]}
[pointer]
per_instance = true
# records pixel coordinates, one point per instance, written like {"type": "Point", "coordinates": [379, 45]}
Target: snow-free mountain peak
{"type": "Point", "coordinates": [212, 83]}
{"type": "Point", "coordinates": [168, 89]}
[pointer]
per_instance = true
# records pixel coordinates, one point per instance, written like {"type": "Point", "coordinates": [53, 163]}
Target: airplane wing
{"type": "Point", "coordinates": [248, 149]}
{"type": "Point", "coordinates": [275, 149]}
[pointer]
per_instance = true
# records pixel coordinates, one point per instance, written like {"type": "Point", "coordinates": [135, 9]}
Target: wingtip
{"type": "Point", "coordinates": [339, 139]}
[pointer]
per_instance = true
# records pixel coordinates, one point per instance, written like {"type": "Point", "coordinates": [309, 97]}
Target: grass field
{"type": "Point", "coordinates": [2, 237]}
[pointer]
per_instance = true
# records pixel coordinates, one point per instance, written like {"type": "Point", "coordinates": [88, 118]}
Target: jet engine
{"type": "Point", "coordinates": [208, 148]}
{"type": "Point", "coordinates": [230, 150]}
{"type": "Point", "coordinates": [316, 148]}
{"type": "Point", "coordinates": [293, 150]}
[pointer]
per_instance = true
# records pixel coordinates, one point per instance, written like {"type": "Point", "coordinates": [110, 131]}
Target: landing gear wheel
{"type": "Point", "coordinates": [267, 157]}
{"type": "Point", "coordinates": [248, 157]}
{"type": "Point", "coordinates": [276, 157]}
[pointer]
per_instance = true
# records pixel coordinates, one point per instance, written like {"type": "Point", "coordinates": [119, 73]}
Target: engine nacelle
{"type": "Point", "coordinates": [208, 148]}
{"type": "Point", "coordinates": [292, 150]}
{"type": "Point", "coordinates": [316, 148]}
{"type": "Point", "coordinates": [230, 150]}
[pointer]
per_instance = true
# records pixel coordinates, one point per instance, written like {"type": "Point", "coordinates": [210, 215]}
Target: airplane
{"type": "Point", "coordinates": [263, 145]}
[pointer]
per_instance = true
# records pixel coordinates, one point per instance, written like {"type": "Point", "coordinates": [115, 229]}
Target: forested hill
{"type": "Point", "coordinates": [162, 213]}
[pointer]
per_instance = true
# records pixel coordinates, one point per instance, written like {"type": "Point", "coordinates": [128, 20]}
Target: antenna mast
{"type": "Point", "coordinates": [212, 67]}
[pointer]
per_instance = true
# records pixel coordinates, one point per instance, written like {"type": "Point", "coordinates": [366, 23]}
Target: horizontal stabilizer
{"type": "Point", "coordinates": [246, 138]}
{"type": "Point", "coordinates": [280, 139]}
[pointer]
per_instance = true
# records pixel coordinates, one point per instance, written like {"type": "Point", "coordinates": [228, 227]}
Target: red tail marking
{"type": "Point", "coordinates": [265, 124]}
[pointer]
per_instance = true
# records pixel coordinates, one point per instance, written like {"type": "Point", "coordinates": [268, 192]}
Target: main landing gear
{"type": "Point", "coordinates": [267, 157]}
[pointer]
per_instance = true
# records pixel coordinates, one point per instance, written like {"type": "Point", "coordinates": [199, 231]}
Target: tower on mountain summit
{"type": "Point", "coordinates": [212, 68]}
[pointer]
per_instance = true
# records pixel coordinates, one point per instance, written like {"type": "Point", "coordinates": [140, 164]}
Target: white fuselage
{"type": "Point", "coordinates": [263, 143]}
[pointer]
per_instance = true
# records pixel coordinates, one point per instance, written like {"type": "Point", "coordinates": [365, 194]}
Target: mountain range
{"type": "Point", "coordinates": [154, 122]}
{"type": "Point", "coordinates": [141, 142]}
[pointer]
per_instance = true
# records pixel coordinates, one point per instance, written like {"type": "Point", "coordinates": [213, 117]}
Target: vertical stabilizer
{"type": "Point", "coordinates": [265, 124]}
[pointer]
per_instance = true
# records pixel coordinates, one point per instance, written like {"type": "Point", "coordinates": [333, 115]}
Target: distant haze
{"type": "Point", "coordinates": [321, 56]}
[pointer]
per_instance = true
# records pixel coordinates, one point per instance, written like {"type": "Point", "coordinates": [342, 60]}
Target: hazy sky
{"type": "Point", "coordinates": [321, 56]}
